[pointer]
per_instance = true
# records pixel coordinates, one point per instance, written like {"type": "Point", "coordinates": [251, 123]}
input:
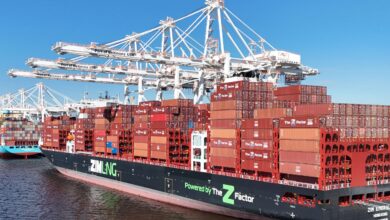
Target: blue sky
{"type": "Point", "coordinates": [348, 40]}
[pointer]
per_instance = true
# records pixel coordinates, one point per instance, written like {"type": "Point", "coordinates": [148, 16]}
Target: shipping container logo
{"type": "Point", "coordinates": [230, 192]}
{"type": "Point", "coordinates": [158, 132]}
{"type": "Point", "coordinates": [105, 168]}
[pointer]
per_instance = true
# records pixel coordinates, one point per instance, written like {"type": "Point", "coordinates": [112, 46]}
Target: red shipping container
{"type": "Point", "coordinates": [226, 114]}
{"type": "Point", "coordinates": [300, 169]}
{"type": "Point", "coordinates": [177, 102]}
{"type": "Point", "coordinates": [150, 104]}
{"type": "Point", "coordinates": [223, 142]}
{"type": "Point", "coordinates": [300, 145]}
{"type": "Point", "coordinates": [99, 149]}
{"type": "Point", "coordinates": [227, 105]}
{"type": "Point", "coordinates": [238, 85]}
{"type": "Point", "coordinates": [141, 125]}
{"type": "Point", "coordinates": [100, 139]}
{"type": "Point", "coordinates": [99, 132]}
{"type": "Point", "coordinates": [292, 98]}
{"type": "Point", "coordinates": [300, 134]}
{"type": "Point", "coordinates": [159, 132]}
{"type": "Point", "coordinates": [261, 166]}
{"type": "Point", "coordinates": [302, 122]}
{"type": "Point", "coordinates": [79, 137]}
{"type": "Point", "coordinates": [301, 89]}
{"type": "Point", "coordinates": [224, 152]}
{"type": "Point", "coordinates": [257, 144]}
{"type": "Point", "coordinates": [112, 138]}
{"type": "Point", "coordinates": [141, 132]}
{"type": "Point", "coordinates": [141, 118]}
{"type": "Point", "coordinates": [258, 134]}
{"type": "Point", "coordinates": [256, 155]}
{"type": "Point", "coordinates": [159, 125]}
{"type": "Point", "coordinates": [300, 157]}
{"type": "Point", "coordinates": [226, 96]}
{"type": "Point", "coordinates": [158, 147]}
{"type": "Point", "coordinates": [141, 139]}
{"type": "Point", "coordinates": [227, 123]}
{"type": "Point", "coordinates": [272, 113]}
{"type": "Point", "coordinates": [229, 162]}
{"type": "Point", "coordinates": [313, 109]}
{"type": "Point", "coordinates": [257, 123]}
{"type": "Point", "coordinates": [224, 133]}
{"type": "Point", "coordinates": [159, 117]}
{"type": "Point", "coordinates": [140, 111]}
{"type": "Point", "coordinates": [158, 155]}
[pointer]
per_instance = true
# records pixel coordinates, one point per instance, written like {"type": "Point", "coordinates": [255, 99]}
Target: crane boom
{"type": "Point", "coordinates": [102, 51]}
{"type": "Point", "coordinates": [39, 74]}
{"type": "Point", "coordinates": [120, 70]}
{"type": "Point", "coordinates": [171, 56]}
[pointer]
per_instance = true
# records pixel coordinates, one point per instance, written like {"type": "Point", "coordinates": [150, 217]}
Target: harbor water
{"type": "Point", "coordinates": [33, 189]}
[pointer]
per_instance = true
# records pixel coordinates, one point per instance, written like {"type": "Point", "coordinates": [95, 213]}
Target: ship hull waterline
{"type": "Point", "coordinates": [19, 151]}
{"type": "Point", "coordinates": [207, 192]}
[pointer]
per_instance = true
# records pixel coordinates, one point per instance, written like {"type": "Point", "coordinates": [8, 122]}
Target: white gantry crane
{"type": "Point", "coordinates": [207, 46]}
{"type": "Point", "coordinates": [36, 103]}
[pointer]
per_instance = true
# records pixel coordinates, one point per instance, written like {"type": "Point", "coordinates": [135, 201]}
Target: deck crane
{"type": "Point", "coordinates": [171, 56]}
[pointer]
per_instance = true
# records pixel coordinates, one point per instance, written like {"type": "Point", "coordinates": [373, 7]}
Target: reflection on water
{"type": "Point", "coordinates": [33, 189]}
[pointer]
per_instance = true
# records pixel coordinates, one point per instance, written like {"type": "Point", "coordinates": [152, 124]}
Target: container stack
{"type": "Point", "coordinates": [102, 124]}
{"type": "Point", "coordinates": [259, 147]}
{"type": "Point", "coordinates": [20, 132]}
{"type": "Point", "coordinates": [230, 104]}
{"type": "Point", "coordinates": [141, 129]}
{"type": "Point", "coordinates": [303, 94]}
{"type": "Point", "coordinates": [171, 125]}
{"type": "Point", "coordinates": [202, 117]}
{"type": "Point", "coordinates": [299, 152]}
{"type": "Point", "coordinates": [361, 121]}
{"type": "Point", "coordinates": [56, 131]}
{"type": "Point", "coordinates": [120, 140]}
{"type": "Point", "coordinates": [84, 130]}
{"type": "Point", "coordinates": [297, 136]}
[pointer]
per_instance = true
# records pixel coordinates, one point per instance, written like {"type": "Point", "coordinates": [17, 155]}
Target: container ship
{"type": "Point", "coordinates": [252, 142]}
{"type": "Point", "coordinates": [255, 150]}
{"type": "Point", "coordinates": [19, 138]}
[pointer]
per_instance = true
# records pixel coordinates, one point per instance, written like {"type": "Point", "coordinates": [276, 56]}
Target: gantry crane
{"type": "Point", "coordinates": [36, 102]}
{"type": "Point", "coordinates": [178, 54]}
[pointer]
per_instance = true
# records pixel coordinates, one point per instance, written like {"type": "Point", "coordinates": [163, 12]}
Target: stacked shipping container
{"type": "Point", "coordinates": [84, 130]}
{"type": "Point", "coordinates": [303, 94]}
{"type": "Point", "coordinates": [20, 132]}
{"type": "Point", "coordinates": [202, 117]}
{"type": "Point", "coordinates": [171, 125]}
{"type": "Point", "coordinates": [296, 135]}
{"type": "Point", "coordinates": [56, 131]}
{"type": "Point", "coordinates": [361, 121]}
{"type": "Point", "coordinates": [120, 140]}
{"type": "Point", "coordinates": [102, 124]}
{"type": "Point", "coordinates": [259, 147]}
{"type": "Point", "coordinates": [141, 129]}
{"type": "Point", "coordinates": [299, 151]}
{"type": "Point", "coordinates": [231, 103]}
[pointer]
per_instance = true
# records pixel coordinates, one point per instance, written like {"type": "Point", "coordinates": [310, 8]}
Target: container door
{"type": "Point", "coordinates": [168, 185]}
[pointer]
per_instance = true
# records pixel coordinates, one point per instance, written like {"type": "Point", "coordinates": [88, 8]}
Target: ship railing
{"type": "Point", "coordinates": [249, 177]}
{"type": "Point", "coordinates": [299, 184]}
{"type": "Point", "coordinates": [377, 182]}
